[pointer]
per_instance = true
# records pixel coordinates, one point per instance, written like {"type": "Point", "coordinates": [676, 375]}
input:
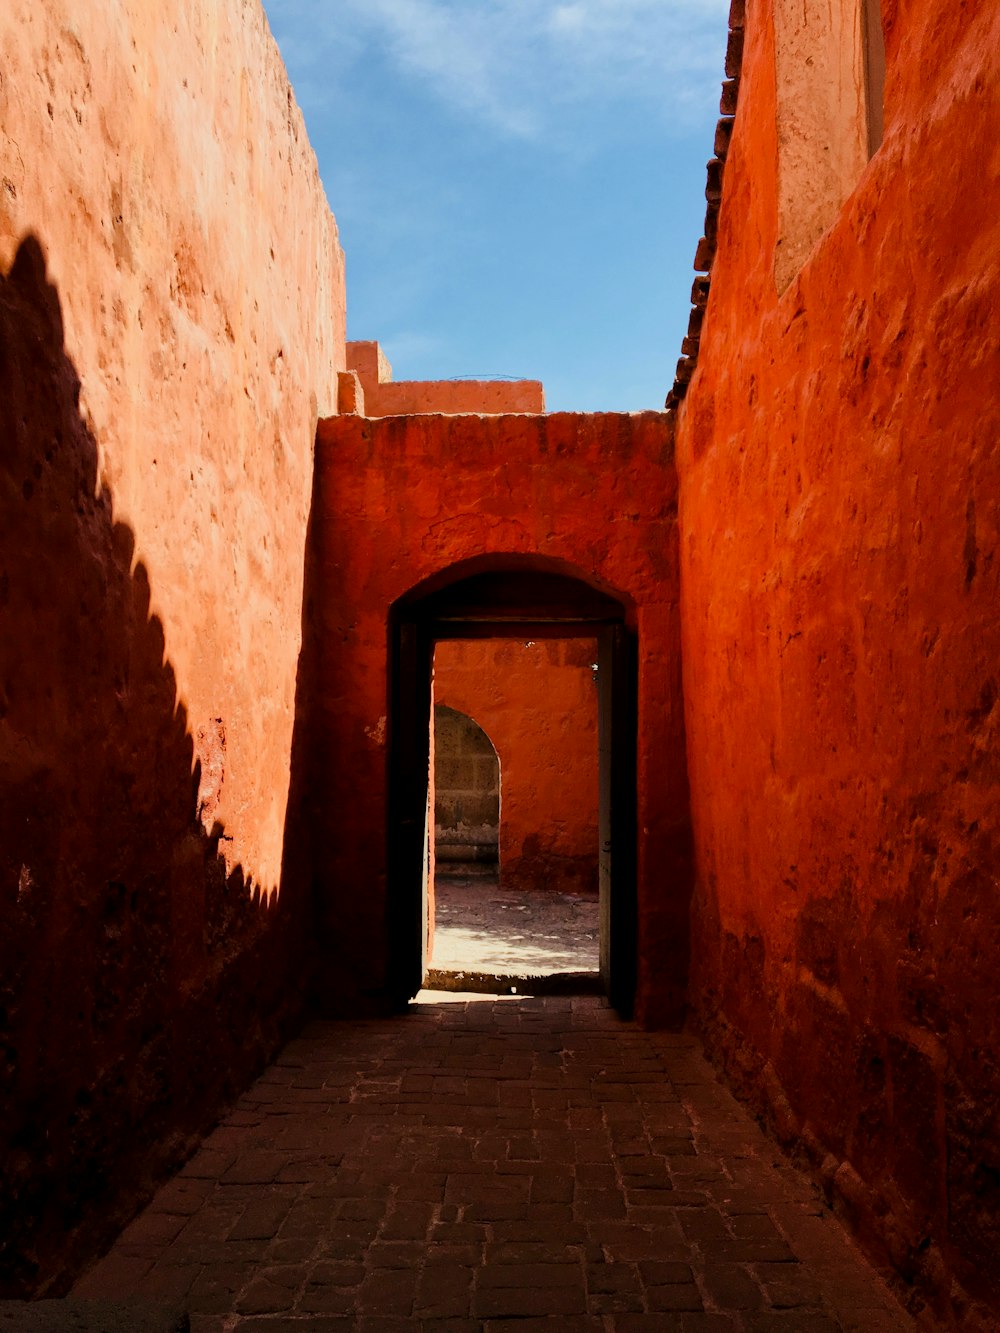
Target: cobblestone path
{"type": "Point", "coordinates": [508, 1165]}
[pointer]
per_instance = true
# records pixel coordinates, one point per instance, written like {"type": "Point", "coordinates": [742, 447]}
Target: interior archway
{"type": "Point", "coordinates": [493, 597]}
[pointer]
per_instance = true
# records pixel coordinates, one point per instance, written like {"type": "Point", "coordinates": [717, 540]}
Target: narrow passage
{"type": "Point", "coordinates": [506, 1165]}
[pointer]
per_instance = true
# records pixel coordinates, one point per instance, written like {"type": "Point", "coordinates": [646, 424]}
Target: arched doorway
{"type": "Point", "coordinates": [466, 792]}
{"type": "Point", "coordinates": [515, 598]}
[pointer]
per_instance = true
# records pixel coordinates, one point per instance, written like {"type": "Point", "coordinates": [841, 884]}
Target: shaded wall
{"type": "Point", "coordinates": [171, 322]}
{"type": "Point", "coordinates": [839, 514]}
{"type": "Point", "coordinates": [591, 495]}
{"type": "Point", "coordinates": [538, 702]}
{"type": "Point", "coordinates": [465, 776]}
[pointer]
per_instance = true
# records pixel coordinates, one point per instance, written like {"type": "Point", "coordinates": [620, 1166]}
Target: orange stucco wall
{"type": "Point", "coordinates": [171, 321]}
{"type": "Point", "coordinates": [193, 619]}
{"type": "Point", "coordinates": [592, 495]}
{"type": "Point", "coordinates": [537, 702]}
{"type": "Point", "coordinates": [839, 484]}
{"type": "Point", "coordinates": [381, 396]}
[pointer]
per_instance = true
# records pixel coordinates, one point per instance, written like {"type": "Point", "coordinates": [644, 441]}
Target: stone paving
{"type": "Point", "coordinates": [510, 1165]}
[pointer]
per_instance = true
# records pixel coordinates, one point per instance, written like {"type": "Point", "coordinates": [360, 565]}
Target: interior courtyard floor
{"type": "Point", "coordinates": [502, 1164]}
{"type": "Point", "coordinates": [488, 935]}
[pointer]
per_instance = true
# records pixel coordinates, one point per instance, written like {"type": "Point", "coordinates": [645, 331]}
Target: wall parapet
{"type": "Point", "coordinates": [381, 396]}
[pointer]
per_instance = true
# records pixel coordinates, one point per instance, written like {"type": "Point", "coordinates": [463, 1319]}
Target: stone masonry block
{"type": "Point", "coordinates": [734, 53]}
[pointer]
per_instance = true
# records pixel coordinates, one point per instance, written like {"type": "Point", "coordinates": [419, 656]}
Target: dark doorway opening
{"type": "Point", "coordinates": [515, 602]}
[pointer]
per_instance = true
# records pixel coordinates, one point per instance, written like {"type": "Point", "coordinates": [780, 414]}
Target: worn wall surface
{"type": "Point", "coordinates": [171, 323]}
{"type": "Point", "coordinates": [821, 123]}
{"type": "Point", "coordinates": [840, 502]}
{"type": "Point", "coordinates": [591, 495]}
{"type": "Point", "coordinates": [538, 703]}
{"type": "Point", "coordinates": [382, 396]}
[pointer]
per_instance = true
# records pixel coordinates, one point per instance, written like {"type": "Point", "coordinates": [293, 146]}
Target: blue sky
{"type": "Point", "coordinates": [519, 184]}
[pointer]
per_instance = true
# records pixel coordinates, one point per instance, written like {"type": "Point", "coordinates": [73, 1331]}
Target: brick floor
{"type": "Point", "coordinates": [514, 1164]}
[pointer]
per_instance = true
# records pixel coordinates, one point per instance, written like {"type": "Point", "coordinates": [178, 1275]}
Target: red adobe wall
{"type": "Point", "coordinates": [537, 702]}
{"type": "Point", "coordinates": [591, 495]}
{"type": "Point", "coordinates": [382, 397]}
{"type": "Point", "coordinates": [171, 321]}
{"type": "Point", "coordinates": [840, 503]}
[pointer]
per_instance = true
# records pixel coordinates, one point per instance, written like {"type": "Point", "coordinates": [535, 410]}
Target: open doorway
{"type": "Point", "coordinates": [526, 605]}
{"type": "Point", "coordinates": [465, 782]}
{"type": "Point", "coordinates": [514, 841]}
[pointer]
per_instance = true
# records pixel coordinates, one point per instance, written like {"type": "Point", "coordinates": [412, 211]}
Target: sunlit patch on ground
{"type": "Point", "coordinates": [481, 927]}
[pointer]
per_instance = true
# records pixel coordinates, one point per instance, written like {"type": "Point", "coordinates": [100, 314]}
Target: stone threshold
{"type": "Point", "coordinates": [513, 983]}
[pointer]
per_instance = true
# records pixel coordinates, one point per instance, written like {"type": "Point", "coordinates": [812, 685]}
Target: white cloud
{"type": "Point", "coordinates": [521, 67]}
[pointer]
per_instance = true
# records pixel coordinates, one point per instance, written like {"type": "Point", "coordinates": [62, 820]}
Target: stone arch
{"type": "Point", "coordinates": [497, 584]}
{"type": "Point", "coordinates": [496, 596]}
{"type": "Point", "coordinates": [513, 499]}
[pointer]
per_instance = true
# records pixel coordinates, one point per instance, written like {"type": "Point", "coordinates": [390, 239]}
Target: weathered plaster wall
{"type": "Point", "coordinates": [381, 396]}
{"type": "Point", "coordinates": [538, 704]}
{"type": "Point", "coordinates": [594, 495]}
{"type": "Point", "coordinates": [840, 501]}
{"type": "Point", "coordinates": [171, 323]}
{"type": "Point", "coordinates": [821, 123]}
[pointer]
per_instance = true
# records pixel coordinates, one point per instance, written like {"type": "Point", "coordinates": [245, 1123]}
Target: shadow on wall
{"type": "Point", "coordinates": [142, 983]}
